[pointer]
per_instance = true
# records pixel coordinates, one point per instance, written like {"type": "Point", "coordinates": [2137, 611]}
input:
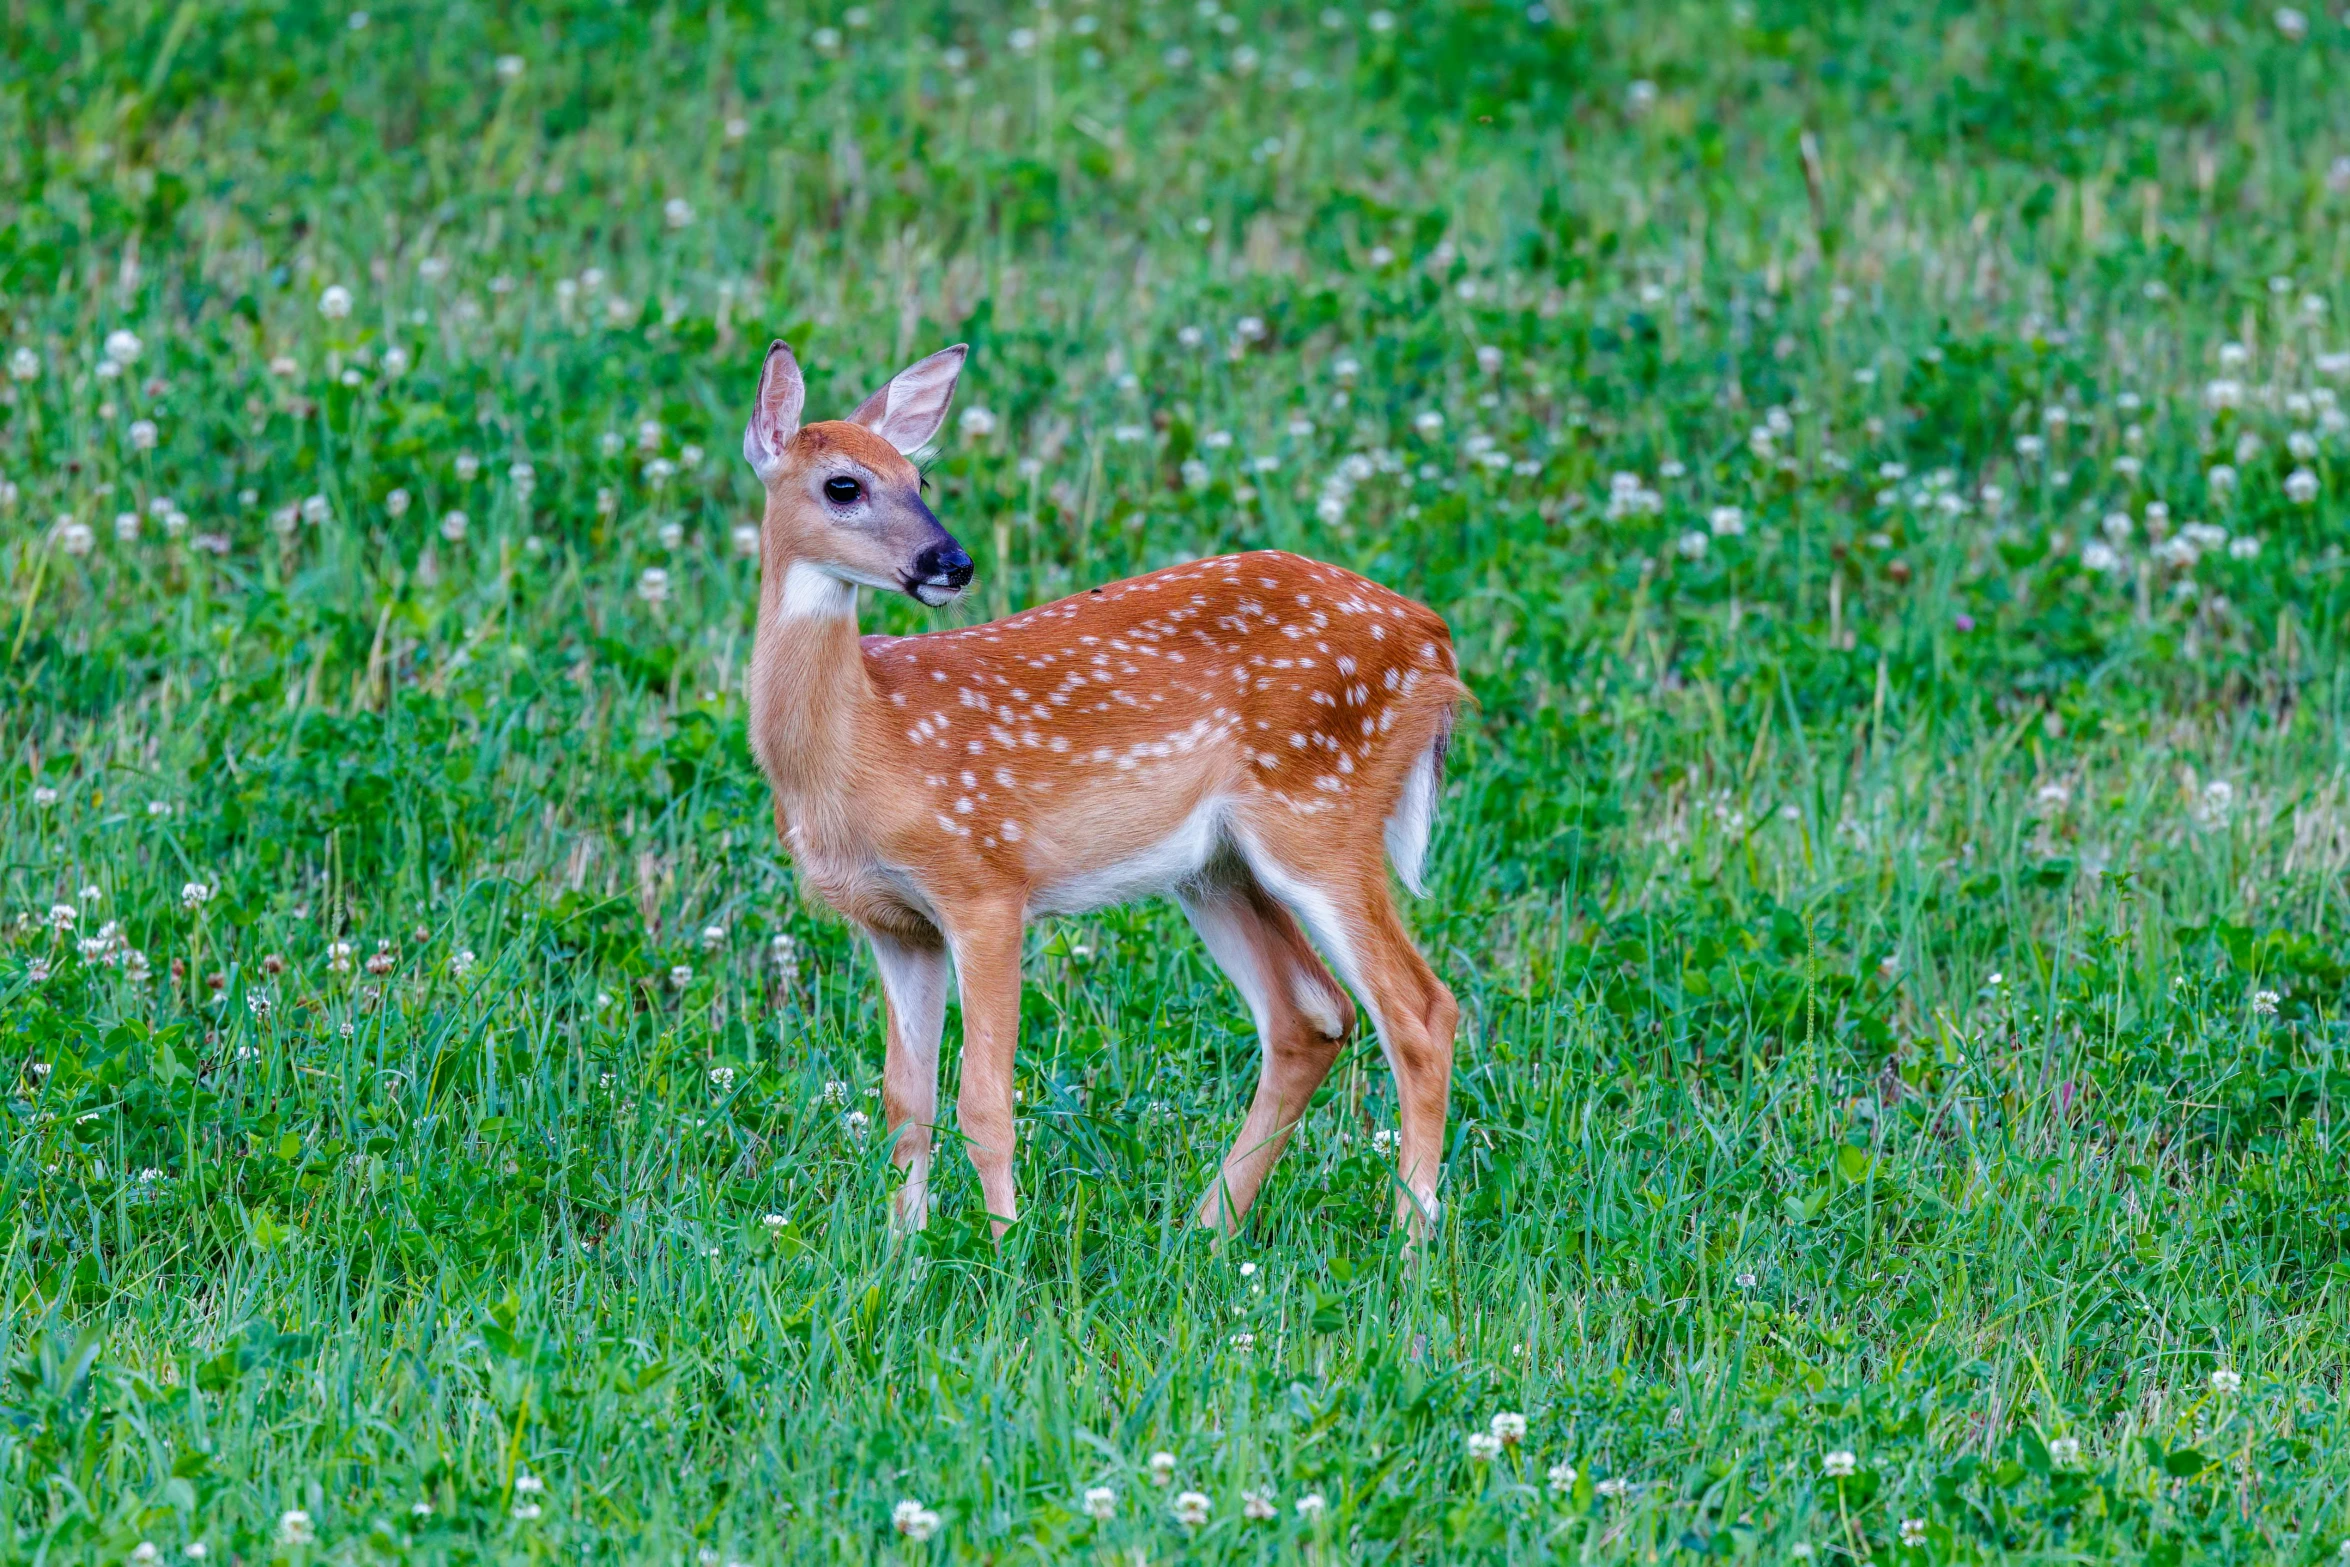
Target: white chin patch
{"type": "Point", "coordinates": [936, 593]}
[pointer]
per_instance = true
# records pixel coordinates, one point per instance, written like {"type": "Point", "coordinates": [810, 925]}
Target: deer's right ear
{"type": "Point", "coordinates": [775, 413]}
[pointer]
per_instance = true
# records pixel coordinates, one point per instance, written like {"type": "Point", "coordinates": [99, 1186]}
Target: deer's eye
{"type": "Point", "coordinates": [842, 490]}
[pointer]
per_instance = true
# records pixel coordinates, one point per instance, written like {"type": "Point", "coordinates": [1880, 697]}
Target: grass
{"type": "Point", "coordinates": [1898, 909]}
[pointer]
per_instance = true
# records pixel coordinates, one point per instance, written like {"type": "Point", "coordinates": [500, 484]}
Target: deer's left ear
{"type": "Point", "coordinates": [909, 410]}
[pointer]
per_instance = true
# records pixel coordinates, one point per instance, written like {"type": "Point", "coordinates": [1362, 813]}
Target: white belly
{"type": "Point", "coordinates": [1156, 868]}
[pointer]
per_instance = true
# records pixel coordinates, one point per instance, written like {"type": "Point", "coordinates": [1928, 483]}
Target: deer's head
{"type": "Point", "coordinates": [844, 506]}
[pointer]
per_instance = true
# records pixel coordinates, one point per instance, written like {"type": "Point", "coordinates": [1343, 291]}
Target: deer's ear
{"type": "Point", "coordinates": [775, 412]}
{"type": "Point", "coordinates": [908, 411]}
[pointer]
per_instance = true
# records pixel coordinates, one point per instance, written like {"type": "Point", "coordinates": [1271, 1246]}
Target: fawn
{"type": "Point", "coordinates": [1256, 734]}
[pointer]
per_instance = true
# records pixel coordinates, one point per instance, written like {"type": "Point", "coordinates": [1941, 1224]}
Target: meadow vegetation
{"type": "Point", "coordinates": [1884, 467]}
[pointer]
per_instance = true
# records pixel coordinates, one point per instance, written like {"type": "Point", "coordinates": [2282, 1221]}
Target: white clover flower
{"type": "Point", "coordinates": [2301, 486]}
{"type": "Point", "coordinates": [1162, 1468]}
{"type": "Point", "coordinates": [1640, 97]}
{"type": "Point", "coordinates": [1244, 1341]}
{"type": "Point", "coordinates": [145, 1554]}
{"type": "Point", "coordinates": [62, 916]}
{"type": "Point", "coordinates": [746, 540]}
{"type": "Point", "coordinates": [1692, 544]}
{"type": "Point", "coordinates": [2243, 547]}
{"type": "Point", "coordinates": [24, 365]}
{"type": "Point", "coordinates": [2064, 1451]}
{"type": "Point", "coordinates": [1840, 1464]}
{"type": "Point", "coordinates": [294, 1528]}
{"type": "Point", "coordinates": [1429, 423]}
{"type": "Point", "coordinates": [1614, 1486]}
{"type": "Point", "coordinates": [396, 503]}
{"type": "Point", "coordinates": [1257, 1506]}
{"type": "Point", "coordinates": [2264, 1003]}
{"type": "Point", "coordinates": [335, 302]}
{"type": "Point", "coordinates": [2225, 1381]}
{"type": "Point", "coordinates": [1726, 521]}
{"type": "Point", "coordinates": [143, 435]}
{"type": "Point", "coordinates": [509, 68]}
{"type": "Point", "coordinates": [1562, 1478]}
{"type": "Point", "coordinates": [2293, 24]}
{"type": "Point", "coordinates": [122, 347]}
{"type": "Point", "coordinates": [1191, 1509]}
{"type": "Point", "coordinates": [316, 510]}
{"type": "Point", "coordinates": [75, 537]}
{"type": "Point", "coordinates": [913, 1520]}
{"type": "Point", "coordinates": [680, 976]}
{"type": "Point", "coordinates": [1101, 1503]}
{"type": "Point", "coordinates": [671, 534]}
{"type": "Point", "coordinates": [454, 525]}
{"type": "Point", "coordinates": [126, 527]}
{"type": "Point", "coordinates": [523, 477]}
{"type": "Point", "coordinates": [1489, 359]}
{"type": "Point", "coordinates": [1312, 1505]}
{"type": "Point", "coordinates": [1484, 1447]}
{"type": "Point", "coordinates": [677, 212]}
{"type": "Point", "coordinates": [1913, 1533]}
{"type": "Point", "coordinates": [461, 962]}
{"type": "Point", "coordinates": [2099, 556]}
{"type": "Point", "coordinates": [652, 585]}
{"type": "Point", "coordinates": [1509, 1426]}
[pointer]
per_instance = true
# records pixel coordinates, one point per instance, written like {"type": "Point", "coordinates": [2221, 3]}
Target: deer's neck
{"type": "Point", "coordinates": [809, 693]}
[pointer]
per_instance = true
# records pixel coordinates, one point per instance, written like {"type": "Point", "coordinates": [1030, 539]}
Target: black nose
{"type": "Point", "coordinates": [945, 561]}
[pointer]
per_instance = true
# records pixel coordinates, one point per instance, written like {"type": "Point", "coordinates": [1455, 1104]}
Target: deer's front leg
{"type": "Point", "coordinates": [914, 986]}
{"type": "Point", "coordinates": [987, 969]}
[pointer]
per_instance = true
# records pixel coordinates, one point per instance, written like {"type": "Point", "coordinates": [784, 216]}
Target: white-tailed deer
{"type": "Point", "coordinates": [1258, 735]}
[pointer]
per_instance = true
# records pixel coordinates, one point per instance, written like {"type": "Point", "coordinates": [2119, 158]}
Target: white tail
{"type": "Point", "coordinates": [1256, 735]}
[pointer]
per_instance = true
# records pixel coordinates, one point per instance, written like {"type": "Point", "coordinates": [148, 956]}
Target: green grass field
{"type": "Point", "coordinates": [1884, 467]}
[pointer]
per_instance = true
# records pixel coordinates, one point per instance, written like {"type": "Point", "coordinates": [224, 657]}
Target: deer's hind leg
{"type": "Point", "coordinates": [1354, 918]}
{"type": "Point", "coordinates": [1302, 1015]}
